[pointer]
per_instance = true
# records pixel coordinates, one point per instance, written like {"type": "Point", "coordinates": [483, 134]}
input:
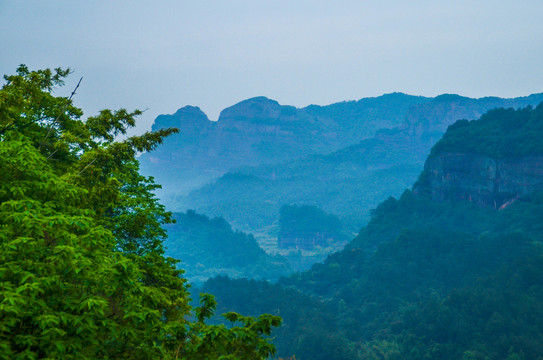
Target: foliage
{"type": "Point", "coordinates": [82, 271]}
{"type": "Point", "coordinates": [500, 133]}
{"type": "Point", "coordinates": [308, 330]}
{"type": "Point", "coordinates": [490, 319]}
{"type": "Point", "coordinates": [246, 341]}
{"type": "Point", "coordinates": [423, 279]}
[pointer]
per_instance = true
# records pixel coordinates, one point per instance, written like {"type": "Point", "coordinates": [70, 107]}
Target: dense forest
{"type": "Point", "coordinates": [500, 133]}
{"type": "Point", "coordinates": [424, 279]}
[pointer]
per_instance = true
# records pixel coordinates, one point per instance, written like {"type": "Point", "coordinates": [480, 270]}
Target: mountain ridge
{"type": "Point", "coordinates": [366, 173]}
{"type": "Point", "coordinates": [266, 133]}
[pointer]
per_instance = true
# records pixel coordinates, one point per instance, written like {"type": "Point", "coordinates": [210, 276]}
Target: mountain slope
{"type": "Point", "coordinates": [427, 277]}
{"type": "Point", "coordinates": [347, 183]}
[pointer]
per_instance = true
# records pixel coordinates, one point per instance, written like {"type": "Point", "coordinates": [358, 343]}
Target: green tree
{"type": "Point", "coordinates": [82, 266]}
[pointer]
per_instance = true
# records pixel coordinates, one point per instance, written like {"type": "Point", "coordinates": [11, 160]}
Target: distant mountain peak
{"type": "Point", "coordinates": [393, 95]}
{"type": "Point", "coordinates": [256, 107]}
{"type": "Point", "coordinates": [192, 111]}
{"type": "Point", "coordinates": [182, 117]}
{"type": "Point", "coordinates": [450, 97]}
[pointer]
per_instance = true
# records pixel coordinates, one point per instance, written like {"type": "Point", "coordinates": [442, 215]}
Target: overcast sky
{"type": "Point", "coordinates": [163, 55]}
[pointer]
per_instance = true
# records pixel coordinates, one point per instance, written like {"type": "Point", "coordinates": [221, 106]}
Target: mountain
{"type": "Point", "coordinates": [435, 274]}
{"type": "Point", "coordinates": [474, 162]}
{"type": "Point", "coordinates": [261, 131]}
{"type": "Point", "coordinates": [347, 182]}
{"type": "Point", "coordinates": [209, 247]}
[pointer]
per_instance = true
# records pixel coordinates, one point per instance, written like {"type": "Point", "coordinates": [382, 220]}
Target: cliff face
{"type": "Point", "coordinates": [481, 179]}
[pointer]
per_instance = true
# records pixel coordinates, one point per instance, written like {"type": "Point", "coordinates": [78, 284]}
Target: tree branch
{"type": "Point", "coordinates": [60, 113]}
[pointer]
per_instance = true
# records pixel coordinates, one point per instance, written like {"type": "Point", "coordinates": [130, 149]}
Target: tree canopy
{"type": "Point", "coordinates": [500, 133]}
{"type": "Point", "coordinates": [82, 266]}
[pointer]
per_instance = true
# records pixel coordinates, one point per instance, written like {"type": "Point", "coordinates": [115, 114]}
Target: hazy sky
{"type": "Point", "coordinates": [162, 55]}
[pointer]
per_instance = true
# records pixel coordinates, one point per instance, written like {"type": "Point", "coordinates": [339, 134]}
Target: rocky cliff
{"type": "Point", "coordinates": [483, 180]}
{"type": "Point", "coordinates": [492, 161]}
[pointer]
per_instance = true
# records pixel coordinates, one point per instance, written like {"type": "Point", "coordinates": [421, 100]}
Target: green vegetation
{"type": "Point", "coordinates": [423, 279]}
{"type": "Point", "coordinates": [309, 328]}
{"type": "Point", "coordinates": [82, 271]}
{"type": "Point", "coordinates": [209, 247]}
{"type": "Point", "coordinates": [498, 134]}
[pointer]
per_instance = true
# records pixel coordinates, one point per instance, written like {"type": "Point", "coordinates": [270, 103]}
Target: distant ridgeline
{"type": "Point", "coordinates": [492, 162]}
{"type": "Point", "coordinates": [433, 275]}
{"type": "Point", "coordinates": [261, 131]}
{"type": "Point", "coordinates": [354, 171]}
{"type": "Point", "coordinates": [306, 227]}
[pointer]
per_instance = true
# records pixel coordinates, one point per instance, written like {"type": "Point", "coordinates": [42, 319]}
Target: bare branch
{"type": "Point", "coordinates": [61, 112]}
{"type": "Point", "coordinates": [76, 87]}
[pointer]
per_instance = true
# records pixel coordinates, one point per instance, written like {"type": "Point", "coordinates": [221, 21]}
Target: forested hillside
{"type": "Point", "coordinates": [426, 278]}
{"type": "Point", "coordinates": [346, 183]}
{"type": "Point", "coordinates": [486, 135]}
{"type": "Point", "coordinates": [450, 270]}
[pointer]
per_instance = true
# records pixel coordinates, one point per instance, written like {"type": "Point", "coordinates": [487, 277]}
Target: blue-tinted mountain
{"type": "Point", "coordinates": [348, 182]}
{"type": "Point", "coordinates": [261, 131]}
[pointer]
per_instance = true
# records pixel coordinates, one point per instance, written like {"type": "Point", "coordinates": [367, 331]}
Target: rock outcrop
{"type": "Point", "coordinates": [481, 179]}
